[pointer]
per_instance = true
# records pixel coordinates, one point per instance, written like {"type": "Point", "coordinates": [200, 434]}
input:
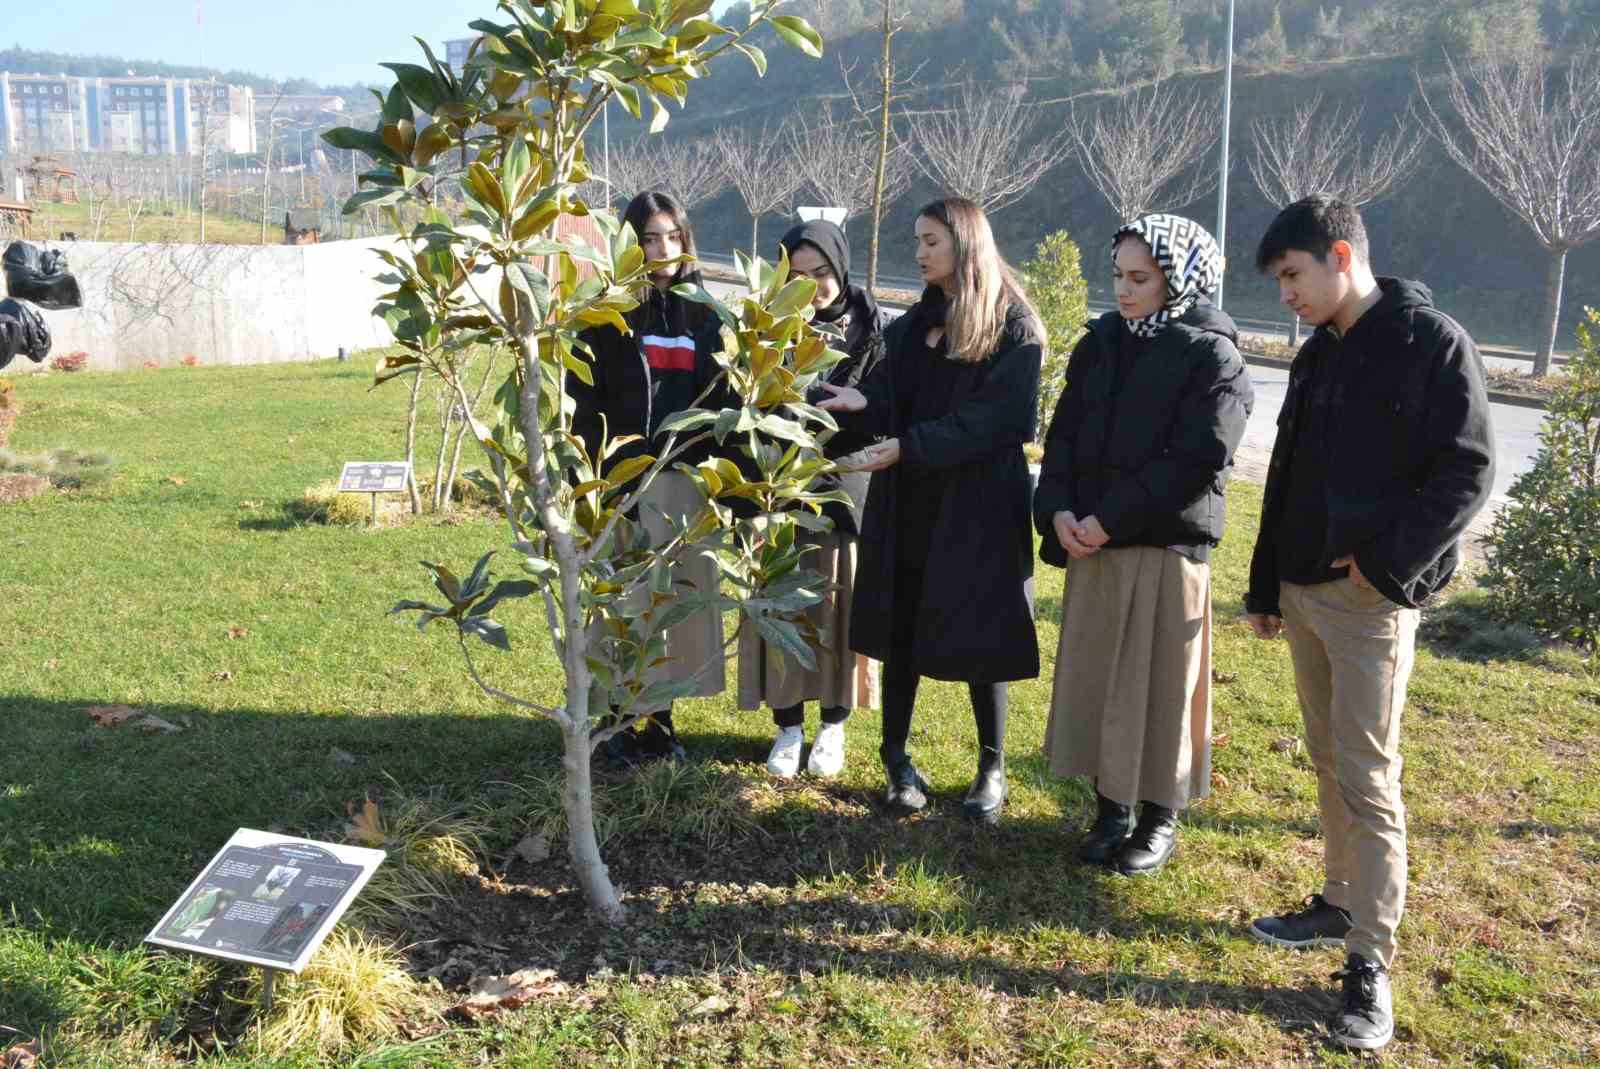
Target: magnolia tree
{"type": "Point", "coordinates": [510, 129]}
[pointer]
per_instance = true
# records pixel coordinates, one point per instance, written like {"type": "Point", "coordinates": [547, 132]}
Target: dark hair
{"type": "Point", "coordinates": [1312, 225]}
{"type": "Point", "coordinates": [681, 316]}
{"type": "Point", "coordinates": [656, 202]}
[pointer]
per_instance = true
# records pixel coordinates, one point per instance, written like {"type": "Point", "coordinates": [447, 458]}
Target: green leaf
{"type": "Point", "coordinates": [479, 579]}
{"type": "Point", "coordinates": [483, 627]}
{"type": "Point", "coordinates": [420, 84]}
{"type": "Point", "coordinates": [757, 57]}
{"type": "Point", "coordinates": [510, 588]}
{"type": "Point", "coordinates": [531, 282]}
{"type": "Point", "coordinates": [407, 606]}
{"type": "Point", "coordinates": [799, 33]}
{"type": "Point", "coordinates": [793, 297]}
{"type": "Point", "coordinates": [626, 471]}
{"type": "Point", "coordinates": [686, 420]}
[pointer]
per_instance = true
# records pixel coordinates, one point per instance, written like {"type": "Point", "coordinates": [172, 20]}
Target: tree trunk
{"type": "Point", "coordinates": [583, 849]}
{"type": "Point", "coordinates": [448, 405]}
{"type": "Point", "coordinates": [1553, 281]}
{"type": "Point", "coordinates": [755, 235]}
{"type": "Point", "coordinates": [411, 442]}
{"type": "Point", "coordinates": [887, 71]}
{"type": "Point", "coordinates": [1294, 331]}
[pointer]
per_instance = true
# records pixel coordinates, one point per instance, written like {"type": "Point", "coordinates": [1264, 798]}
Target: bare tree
{"type": "Point", "coordinates": [1316, 152]}
{"type": "Point", "coordinates": [689, 170]}
{"type": "Point", "coordinates": [1534, 149]}
{"type": "Point", "coordinates": [891, 168]}
{"type": "Point", "coordinates": [989, 148]}
{"type": "Point", "coordinates": [762, 167]}
{"type": "Point", "coordinates": [1140, 150]}
{"type": "Point", "coordinates": [838, 158]}
{"type": "Point", "coordinates": [266, 162]}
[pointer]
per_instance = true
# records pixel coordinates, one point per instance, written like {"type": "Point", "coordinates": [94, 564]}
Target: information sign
{"type": "Point", "coordinates": [267, 899]}
{"type": "Point", "coordinates": [374, 477]}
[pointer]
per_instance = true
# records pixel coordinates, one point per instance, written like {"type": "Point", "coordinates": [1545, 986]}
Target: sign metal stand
{"type": "Point", "coordinates": [374, 477]}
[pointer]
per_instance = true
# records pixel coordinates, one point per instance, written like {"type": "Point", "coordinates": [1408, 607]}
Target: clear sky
{"type": "Point", "coordinates": [334, 42]}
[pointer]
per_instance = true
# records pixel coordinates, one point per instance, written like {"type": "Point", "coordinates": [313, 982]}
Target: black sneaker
{"type": "Point", "coordinates": [1317, 925]}
{"type": "Point", "coordinates": [659, 742]}
{"type": "Point", "coordinates": [1365, 1021]}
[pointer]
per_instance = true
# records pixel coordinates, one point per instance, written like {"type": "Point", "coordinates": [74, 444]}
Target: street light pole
{"type": "Point", "coordinates": [1222, 182]}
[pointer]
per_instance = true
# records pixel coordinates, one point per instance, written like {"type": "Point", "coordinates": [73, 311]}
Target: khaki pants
{"type": "Point", "coordinates": [1352, 652]}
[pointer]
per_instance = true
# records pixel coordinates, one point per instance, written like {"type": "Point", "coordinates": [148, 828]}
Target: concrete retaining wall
{"type": "Point", "coordinates": [224, 304]}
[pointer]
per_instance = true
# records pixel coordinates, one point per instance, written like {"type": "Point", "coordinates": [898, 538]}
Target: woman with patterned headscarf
{"type": "Point", "coordinates": [1130, 502]}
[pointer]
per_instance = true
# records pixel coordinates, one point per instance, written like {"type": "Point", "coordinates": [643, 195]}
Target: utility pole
{"type": "Point", "coordinates": [1222, 181]}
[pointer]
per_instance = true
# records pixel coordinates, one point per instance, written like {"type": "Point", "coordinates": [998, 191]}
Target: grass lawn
{"type": "Point", "coordinates": [771, 924]}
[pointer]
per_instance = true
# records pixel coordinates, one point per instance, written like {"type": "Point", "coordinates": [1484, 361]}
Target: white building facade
{"type": "Point", "coordinates": [142, 116]}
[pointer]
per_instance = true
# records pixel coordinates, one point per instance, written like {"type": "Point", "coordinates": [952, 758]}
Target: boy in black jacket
{"type": "Point", "coordinates": [1384, 455]}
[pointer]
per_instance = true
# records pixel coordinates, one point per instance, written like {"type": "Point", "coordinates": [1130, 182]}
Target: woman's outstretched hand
{"type": "Point", "coordinates": [844, 399]}
{"type": "Point", "coordinates": [884, 454]}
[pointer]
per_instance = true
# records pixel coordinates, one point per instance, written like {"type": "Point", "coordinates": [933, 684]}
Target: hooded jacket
{"type": "Point", "coordinates": [642, 379]}
{"type": "Point", "coordinates": [854, 324]}
{"type": "Point", "coordinates": [1408, 451]}
{"type": "Point", "coordinates": [1146, 445]}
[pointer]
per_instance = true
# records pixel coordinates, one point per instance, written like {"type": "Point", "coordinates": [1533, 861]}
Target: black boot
{"type": "Point", "coordinates": [907, 789]}
{"type": "Point", "coordinates": [1151, 843]}
{"type": "Point", "coordinates": [988, 791]}
{"type": "Point", "coordinates": [1113, 823]}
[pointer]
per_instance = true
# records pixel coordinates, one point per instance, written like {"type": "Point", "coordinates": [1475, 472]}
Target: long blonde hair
{"type": "Point", "coordinates": [983, 289]}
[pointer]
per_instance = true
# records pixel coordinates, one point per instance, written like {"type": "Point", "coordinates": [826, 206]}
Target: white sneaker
{"type": "Point", "coordinates": [784, 760]}
{"type": "Point", "coordinates": [827, 752]}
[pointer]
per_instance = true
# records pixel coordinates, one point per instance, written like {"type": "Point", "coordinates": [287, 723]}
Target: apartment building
{"type": "Point", "coordinates": [144, 116]}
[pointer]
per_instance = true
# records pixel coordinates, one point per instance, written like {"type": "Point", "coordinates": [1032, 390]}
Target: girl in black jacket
{"type": "Point", "coordinates": [943, 588]}
{"type": "Point", "coordinates": [1131, 493]}
{"type": "Point", "coordinates": [842, 680]}
{"type": "Point", "coordinates": [640, 380]}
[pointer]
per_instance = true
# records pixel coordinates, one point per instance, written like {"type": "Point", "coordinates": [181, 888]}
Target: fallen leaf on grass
{"type": "Point", "coordinates": [342, 758]}
{"type": "Point", "coordinates": [1222, 677]}
{"type": "Point", "coordinates": [710, 1005]}
{"type": "Point", "coordinates": [154, 724]}
{"type": "Point", "coordinates": [1219, 782]}
{"type": "Point", "coordinates": [533, 849]}
{"type": "Point", "coordinates": [223, 676]}
{"type": "Point", "coordinates": [238, 632]}
{"type": "Point", "coordinates": [1287, 744]}
{"type": "Point", "coordinates": [22, 1055]}
{"type": "Point", "coordinates": [1220, 740]}
{"type": "Point", "coordinates": [250, 505]}
{"type": "Point", "coordinates": [366, 823]}
{"type": "Point", "coordinates": [52, 664]}
{"type": "Point", "coordinates": [492, 994]}
{"type": "Point", "coordinates": [109, 716]}
{"type": "Point", "coordinates": [176, 480]}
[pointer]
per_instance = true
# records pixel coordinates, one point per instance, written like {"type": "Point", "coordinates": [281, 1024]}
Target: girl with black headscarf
{"type": "Point", "coordinates": [1130, 502]}
{"type": "Point", "coordinates": [842, 680]}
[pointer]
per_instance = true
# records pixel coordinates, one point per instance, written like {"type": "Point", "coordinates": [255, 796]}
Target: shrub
{"type": "Point", "coordinates": [323, 503]}
{"type": "Point", "coordinates": [1054, 278]}
{"type": "Point", "coordinates": [70, 361]}
{"type": "Point", "coordinates": [354, 991]}
{"type": "Point", "coordinates": [1544, 547]}
{"type": "Point", "coordinates": [65, 469]}
{"type": "Point", "coordinates": [191, 361]}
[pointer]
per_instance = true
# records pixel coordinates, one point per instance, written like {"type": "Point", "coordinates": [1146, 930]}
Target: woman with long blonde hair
{"type": "Point", "coordinates": [946, 554]}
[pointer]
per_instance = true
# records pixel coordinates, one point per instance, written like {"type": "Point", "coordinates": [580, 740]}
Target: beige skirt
{"type": "Point", "coordinates": [695, 644]}
{"type": "Point", "coordinates": [843, 678]}
{"type": "Point", "coordinates": [1131, 704]}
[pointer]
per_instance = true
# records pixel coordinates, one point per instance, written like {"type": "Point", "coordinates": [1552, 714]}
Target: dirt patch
{"type": "Point", "coordinates": [14, 488]}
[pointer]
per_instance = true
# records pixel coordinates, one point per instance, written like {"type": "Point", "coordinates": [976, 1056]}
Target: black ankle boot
{"type": "Point", "coordinates": [907, 789]}
{"type": "Point", "coordinates": [1113, 823]}
{"type": "Point", "coordinates": [988, 791]}
{"type": "Point", "coordinates": [1152, 841]}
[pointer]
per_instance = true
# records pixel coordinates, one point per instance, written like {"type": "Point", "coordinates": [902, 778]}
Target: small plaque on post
{"type": "Point", "coordinates": [267, 900]}
{"type": "Point", "coordinates": [374, 477]}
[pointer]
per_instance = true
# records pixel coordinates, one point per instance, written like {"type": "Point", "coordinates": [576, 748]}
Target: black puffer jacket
{"type": "Point", "coordinates": [1147, 445]}
{"type": "Point", "coordinates": [1409, 451]}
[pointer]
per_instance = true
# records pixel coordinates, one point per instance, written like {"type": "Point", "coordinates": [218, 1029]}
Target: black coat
{"type": "Point", "coordinates": [1409, 454]}
{"type": "Point", "coordinates": [864, 347]}
{"type": "Point", "coordinates": [976, 620]}
{"type": "Point", "coordinates": [1146, 445]}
